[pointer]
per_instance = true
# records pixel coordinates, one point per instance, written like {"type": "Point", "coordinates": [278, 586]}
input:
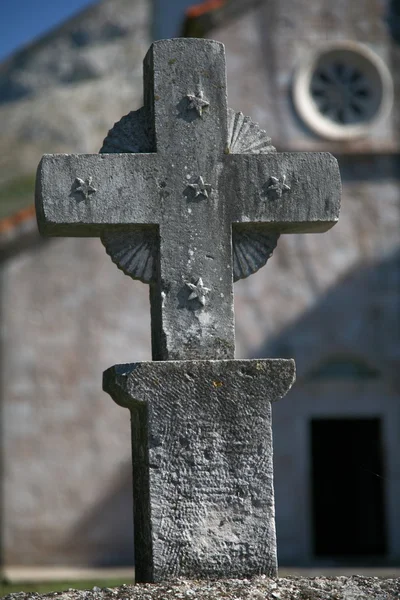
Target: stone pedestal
{"type": "Point", "coordinates": [202, 464]}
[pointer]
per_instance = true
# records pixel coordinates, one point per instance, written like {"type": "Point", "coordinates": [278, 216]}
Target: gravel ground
{"type": "Point", "coordinates": [259, 588]}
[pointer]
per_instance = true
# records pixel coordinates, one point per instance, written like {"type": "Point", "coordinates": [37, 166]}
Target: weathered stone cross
{"type": "Point", "coordinates": [201, 204]}
{"type": "Point", "coordinates": [193, 189]}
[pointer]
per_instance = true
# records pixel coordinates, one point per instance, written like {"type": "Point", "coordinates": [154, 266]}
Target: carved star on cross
{"type": "Point", "coordinates": [200, 187]}
{"type": "Point", "coordinates": [197, 102]}
{"type": "Point", "coordinates": [84, 186]}
{"type": "Point", "coordinates": [199, 291]}
{"type": "Point", "coordinates": [277, 187]}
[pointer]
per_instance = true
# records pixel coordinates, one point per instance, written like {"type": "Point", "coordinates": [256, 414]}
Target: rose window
{"type": "Point", "coordinates": [342, 91]}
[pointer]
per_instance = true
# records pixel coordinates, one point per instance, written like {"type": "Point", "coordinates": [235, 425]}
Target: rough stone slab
{"type": "Point", "coordinates": [355, 587]}
{"type": "Point", "coordinates": [202, 464]}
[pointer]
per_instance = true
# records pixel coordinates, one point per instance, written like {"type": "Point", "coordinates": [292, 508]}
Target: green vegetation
{"type": "Point", "coordinates": [16, 193]}
{"type": "Point", "coordinates": [58, 586]}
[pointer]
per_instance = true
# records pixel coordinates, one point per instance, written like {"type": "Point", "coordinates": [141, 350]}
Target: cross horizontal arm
{"type": "Point", "coordinates": [295, 192]}
{"type": "Point", "coordinates": [83, 194]}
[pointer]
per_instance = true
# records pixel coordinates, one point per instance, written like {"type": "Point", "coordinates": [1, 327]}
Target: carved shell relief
{"type": "Point", "coordinates": [135, 251]}
{"type": "Point", "coordinates": [250, 250]}
{"type": "Point", "coordinates": [130, 134]}
{"type": "Point", "coordinates": [245, 136]}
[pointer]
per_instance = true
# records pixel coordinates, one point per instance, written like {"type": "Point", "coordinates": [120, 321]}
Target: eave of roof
{"type": "Point", "coordinates": [204, 7]}
{"type": "Point", "coordinates": [205, 16]}
{"type": "Point", "coordinates": [16, 226]}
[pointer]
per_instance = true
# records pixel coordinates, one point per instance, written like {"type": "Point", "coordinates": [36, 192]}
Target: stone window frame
{"type": "Point", "coordinates": [368, 62]}
{"type": "Point", "coordinates": [343, 366]}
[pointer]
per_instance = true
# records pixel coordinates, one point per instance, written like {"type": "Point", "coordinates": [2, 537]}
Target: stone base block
{"type": "Point", "coordinates": [203, 491]}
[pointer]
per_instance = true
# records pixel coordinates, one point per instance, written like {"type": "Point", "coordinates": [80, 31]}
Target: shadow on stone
{"type": "Point", "coordinates": [184, 111]}
{"type": "Point", "coordinates": [103, 537]}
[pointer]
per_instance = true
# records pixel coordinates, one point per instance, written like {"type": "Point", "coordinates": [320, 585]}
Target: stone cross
{"type": "Point", "coordinates": [189, 196]}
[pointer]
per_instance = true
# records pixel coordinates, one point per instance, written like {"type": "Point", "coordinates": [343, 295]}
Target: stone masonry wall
{"type": "Point", "coordinates": [68, 313]}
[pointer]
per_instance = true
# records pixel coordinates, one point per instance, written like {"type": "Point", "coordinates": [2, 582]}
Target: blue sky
{"type": "Point", "coordinates": [23, 20]}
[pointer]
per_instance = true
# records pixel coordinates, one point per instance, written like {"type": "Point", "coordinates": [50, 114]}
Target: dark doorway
{"type": "Point", "coordinates": [348, 487]}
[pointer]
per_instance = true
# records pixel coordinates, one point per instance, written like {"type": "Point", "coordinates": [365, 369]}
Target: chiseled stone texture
{"type": "Point", "coordinates": [202, 464]}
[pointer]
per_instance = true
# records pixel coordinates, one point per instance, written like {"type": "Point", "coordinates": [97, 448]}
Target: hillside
{"type": "Point", "coordinates": [64, 91]}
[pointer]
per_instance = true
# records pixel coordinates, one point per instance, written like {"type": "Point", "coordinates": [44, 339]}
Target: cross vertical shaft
{"type": "Point", "coordinates": [192, 297]}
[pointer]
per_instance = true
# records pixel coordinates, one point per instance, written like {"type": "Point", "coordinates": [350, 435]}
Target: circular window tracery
{"type": "Point", "coordinates": [343, 90]}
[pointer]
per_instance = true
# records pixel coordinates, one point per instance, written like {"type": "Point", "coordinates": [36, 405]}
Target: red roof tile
{"type": "Point", "coordinates": [9, 223]}
{"type": "Point", "coordinates": [204, 7]}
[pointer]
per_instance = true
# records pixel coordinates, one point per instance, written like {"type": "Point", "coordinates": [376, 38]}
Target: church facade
{"type": "Point", "coordinates": [316, 77]}
{"type": "Point", "coordinates": [336, 451]}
